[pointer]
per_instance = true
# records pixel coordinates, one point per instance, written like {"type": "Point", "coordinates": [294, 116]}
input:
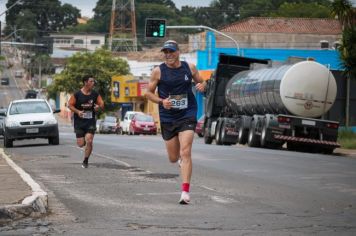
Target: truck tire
{"type": "Point", "coordinates": [207, 138]}
{"type": "Point", "coordinates": [218, 140]}
{"type": "Point", "coordinates": [223, 135]}
{"type": "Point", "coordinates": [253, 140]}
{"type": "Point", "coordinates": [263, 139]}
{"type": "Point", "coordinates": [243, 132]}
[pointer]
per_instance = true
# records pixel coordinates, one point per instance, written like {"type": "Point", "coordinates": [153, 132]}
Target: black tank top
{"type": "Point", "coordinates": [85, 103]}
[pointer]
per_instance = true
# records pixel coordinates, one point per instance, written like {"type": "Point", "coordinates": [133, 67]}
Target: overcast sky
{"type": "Point", "coordinates": [86, 6]}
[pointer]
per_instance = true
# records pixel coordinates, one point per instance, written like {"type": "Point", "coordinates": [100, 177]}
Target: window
{"type": "Point", "coordinates": [94, 41]}
{"type": "Point", "coordinates": [78, 41]}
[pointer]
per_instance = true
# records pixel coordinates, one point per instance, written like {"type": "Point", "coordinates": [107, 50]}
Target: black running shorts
{"type": "Point", "coordinates": [80, 132]}
{"type": "Point", "coordinates": [170, 130]}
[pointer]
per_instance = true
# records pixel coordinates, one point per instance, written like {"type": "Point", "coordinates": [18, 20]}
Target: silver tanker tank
{"type": "Point", "coordinates": [305, 89]}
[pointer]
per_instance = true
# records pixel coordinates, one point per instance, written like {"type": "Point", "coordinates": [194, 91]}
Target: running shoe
{"type": "Point", "coordinates": [184, 198]}
{"type": "Point", "coordinates": [85, 164]}
{"type": "Point", "coordinates": [180, 162]}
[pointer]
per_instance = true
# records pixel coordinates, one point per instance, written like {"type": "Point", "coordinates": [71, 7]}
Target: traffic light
{"type": "Point", "coordinates": [155, 28]}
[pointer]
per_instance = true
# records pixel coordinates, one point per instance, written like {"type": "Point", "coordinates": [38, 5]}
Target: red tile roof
{"type": "Point", "coordinates": [285, 25]}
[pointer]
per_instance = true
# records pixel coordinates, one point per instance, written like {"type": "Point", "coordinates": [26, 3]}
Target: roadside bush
{"type": "Point", "coordinates": [347, 139]}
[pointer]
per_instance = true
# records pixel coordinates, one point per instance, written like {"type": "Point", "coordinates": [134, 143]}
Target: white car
{"type": "Point", "coordinates": [125, 124]}
{"type": "Point", "coordinates": [29, 119]}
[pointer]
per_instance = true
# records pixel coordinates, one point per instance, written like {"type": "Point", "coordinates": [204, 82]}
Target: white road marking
{"type": "Point", "coordinates": [107, 157]}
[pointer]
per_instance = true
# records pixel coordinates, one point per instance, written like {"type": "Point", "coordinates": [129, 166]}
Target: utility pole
{"type": "Point", "coordinates": [123, 26]}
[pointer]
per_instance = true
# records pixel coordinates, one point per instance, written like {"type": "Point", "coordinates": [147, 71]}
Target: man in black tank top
{"type": "Point", "coordinates": [84, 104]}
{"type": "Point", "coordinates": [177, 109]}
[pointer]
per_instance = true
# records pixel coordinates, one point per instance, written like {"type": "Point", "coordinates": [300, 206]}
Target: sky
{"type": "Point", "coordinates": [86, 6]}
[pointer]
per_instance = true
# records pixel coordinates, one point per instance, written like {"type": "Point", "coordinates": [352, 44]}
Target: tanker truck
{"type": "Point", "coordinates": [250, 101]}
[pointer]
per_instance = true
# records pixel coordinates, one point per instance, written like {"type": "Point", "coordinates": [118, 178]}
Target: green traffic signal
{"type": "Point", "coordinates": [155, 28]}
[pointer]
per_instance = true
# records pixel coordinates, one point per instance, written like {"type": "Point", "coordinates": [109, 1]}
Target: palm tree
{"type": "Point", "coordinates": [343, 10]}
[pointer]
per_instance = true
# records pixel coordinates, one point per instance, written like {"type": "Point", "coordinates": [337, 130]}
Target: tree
{"type": "Point", "coordinates": [307, 10]}
{"type": "Point", "coordinates": [99, 64]}
{"type": "Point", "coordinates": [342, 9]}
{"type": "Point", "coordinates": [44, 15]}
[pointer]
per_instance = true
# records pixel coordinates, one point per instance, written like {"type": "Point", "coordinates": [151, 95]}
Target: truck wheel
{"type": "Point", "coordinates": [253, 140]}
{"type": "Point", "coordinates": [207, 138]}
{"type": "Point", "coordinates": [218, 134]}
{"type": "Point", "coordinates": [223, 135]}
{"type": "Point", "coordinates": [7, 142]}
{"type": "Point", "coordinates": [243, 135]}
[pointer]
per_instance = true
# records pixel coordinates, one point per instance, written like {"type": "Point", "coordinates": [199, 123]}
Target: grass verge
{"type": "Point", "coordinates": [347, 139]}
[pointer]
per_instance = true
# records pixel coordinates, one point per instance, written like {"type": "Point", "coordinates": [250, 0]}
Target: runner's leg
{"type": "Point", "coordinates": [186, 140]}
{"type": "Point", "coordinates": [89, 144]}
{"type": "Point", "coordinates": [172, 147]}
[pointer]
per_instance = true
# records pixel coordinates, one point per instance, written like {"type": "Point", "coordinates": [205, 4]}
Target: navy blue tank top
{"type": "Point", "coordinates": [176, 83]}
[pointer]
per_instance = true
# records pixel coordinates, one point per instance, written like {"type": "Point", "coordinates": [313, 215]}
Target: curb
{"type": "Point", "coordinates": [35, 204]}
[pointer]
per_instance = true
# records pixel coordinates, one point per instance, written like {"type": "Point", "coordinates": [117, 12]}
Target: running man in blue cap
{"type": "Point", "coordinates": [177, 108]}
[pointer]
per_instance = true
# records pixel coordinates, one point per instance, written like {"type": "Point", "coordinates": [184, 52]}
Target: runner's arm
{"type": "Point", "coordinates": [99, 104]}
{"type": "Point", "coordinates": [200, 83]}
{"type": "Point", "coordinates": [152, 86]}
{"type": "Point", "coordinates": [71, 106]}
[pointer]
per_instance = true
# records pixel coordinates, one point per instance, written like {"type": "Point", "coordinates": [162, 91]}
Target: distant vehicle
{"type": "Point", "coordinates": [109, 124]}
{"type": "Point", "coordinates": [142, 124]}
{"type": "Point", "coordinates": [199, 129]}
{"type": "Point", "coordinates": [2, 118]}
{"type": "Point", "coordinates": [5, 81]}
{"type": "Point", "coordinates": [30, 119]}
{"type": "Point", "coordinates": [31, 94]}
{"type": "Point", "coordinates": [125, 124]}
{"type": "Point", "coordinates": [18, 74]}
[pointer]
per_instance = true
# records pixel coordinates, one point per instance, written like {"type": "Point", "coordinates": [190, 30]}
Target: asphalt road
{"type": "Point", "coordinates": [130, 188]}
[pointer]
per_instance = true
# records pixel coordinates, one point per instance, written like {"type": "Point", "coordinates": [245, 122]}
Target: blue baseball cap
{"type": "Point", "coordinates": [171, 45]}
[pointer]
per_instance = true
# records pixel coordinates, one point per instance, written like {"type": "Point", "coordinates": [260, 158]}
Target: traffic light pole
{"type": "Point", "coordinates": [207, 28]}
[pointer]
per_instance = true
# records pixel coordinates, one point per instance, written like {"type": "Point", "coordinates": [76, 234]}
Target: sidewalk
{"type": "Point", "coordinates": [20, 196]}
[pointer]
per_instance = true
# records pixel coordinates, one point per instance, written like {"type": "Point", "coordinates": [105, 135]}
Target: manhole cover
{"type": "Point", "coordinates": [160, 176]}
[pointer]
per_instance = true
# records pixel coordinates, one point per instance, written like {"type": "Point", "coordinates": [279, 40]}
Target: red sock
{"type": "Point", "coordinates": [185, 187]}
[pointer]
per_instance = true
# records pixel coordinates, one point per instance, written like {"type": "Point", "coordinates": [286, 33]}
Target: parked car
{"type": "Point", "coordinates": [5, 81]}
{"type": "Point", "coordinates": [29, 119]}
{"type": "Point", "coordinates": [199, 129]}
{"type": "Point", "coordinates": [142, 124]}
{"type": "Point", "coordinates": [109, 124]}
{"type": "Point", "coordinates": [2, 118]}
{"type": "Point", "coordinates": [125, 124]}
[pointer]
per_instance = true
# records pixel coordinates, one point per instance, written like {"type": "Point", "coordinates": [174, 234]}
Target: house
{"type": "Point", "coordinates": [79, 42]}
{"type": "Point", "coordinates": [279, 32]}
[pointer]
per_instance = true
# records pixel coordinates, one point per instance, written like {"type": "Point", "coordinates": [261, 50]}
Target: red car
{"type": "Point", "coordinates": [142, 124]}
{"type": "Point", "coordinates": [199, 129]}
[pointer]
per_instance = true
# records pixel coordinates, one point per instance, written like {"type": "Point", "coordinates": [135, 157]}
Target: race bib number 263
{"type": "Point", "coordinates": [179, 101]}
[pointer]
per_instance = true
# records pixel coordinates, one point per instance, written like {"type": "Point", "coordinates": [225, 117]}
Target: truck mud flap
{"type": "Point", "coordinates": [306, 140]}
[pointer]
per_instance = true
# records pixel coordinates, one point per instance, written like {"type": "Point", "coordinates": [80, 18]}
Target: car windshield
{"type": "Point", "coordinates": [110, 119]}
{"type": "Point", "coordinates": [144, 118]}
{"type": "Point", "coordinates": [29, 107]}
